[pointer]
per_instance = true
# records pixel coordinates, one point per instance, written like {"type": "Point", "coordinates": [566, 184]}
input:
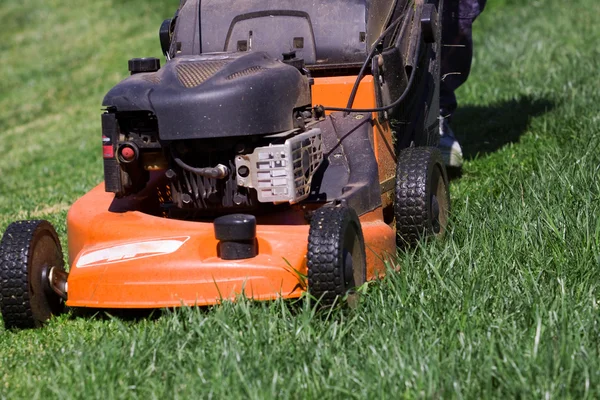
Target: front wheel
{"type": "Point", "coordinates": [336, 254]}
{"type": "Point", "coordinates": [27, 252]}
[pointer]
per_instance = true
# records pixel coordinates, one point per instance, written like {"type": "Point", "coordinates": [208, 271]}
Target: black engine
{"type": "Point", "coordinates": [191, 119]}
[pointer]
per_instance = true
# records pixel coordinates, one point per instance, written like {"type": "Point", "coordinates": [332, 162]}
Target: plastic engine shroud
{"type": "Point", "coordinates": [217, 95]}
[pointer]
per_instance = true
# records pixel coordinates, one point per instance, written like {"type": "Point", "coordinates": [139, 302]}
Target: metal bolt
{"type": "Point", "coordinates": [243, 171]}
{"type": "Point", "coordinates": [238, 199]}
{"type": "Point", "coordinates": [170, 174]}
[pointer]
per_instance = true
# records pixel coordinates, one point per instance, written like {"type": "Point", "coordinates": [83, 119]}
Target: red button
{"type": "Point", "coordinates": [127, 153]}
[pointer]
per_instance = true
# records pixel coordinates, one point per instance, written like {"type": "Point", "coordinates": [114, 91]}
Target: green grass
{"type": "Point", "coordinates": [506, 306]}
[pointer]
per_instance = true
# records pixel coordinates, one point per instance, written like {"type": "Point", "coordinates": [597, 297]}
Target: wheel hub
{"type": "Point", "coordinates": [435, 214]}
{"type": "Point", "coordinates": [348, 268]}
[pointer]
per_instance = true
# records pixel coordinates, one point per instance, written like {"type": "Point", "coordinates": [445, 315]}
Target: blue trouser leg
{"type": "Point", "coordinates": [457, 48]}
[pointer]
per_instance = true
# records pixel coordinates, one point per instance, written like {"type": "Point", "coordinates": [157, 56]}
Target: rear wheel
{"type": "Point", "coordinates": [336, 254]}
{"type": "Point", "coordinates": [27, 252]}
{"type": "Point", "coordinates": [422, 200]}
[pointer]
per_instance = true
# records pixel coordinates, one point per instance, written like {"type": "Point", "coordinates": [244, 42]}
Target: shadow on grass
{"type": "Point", "coordinates": [133, 315]}
{"type": "Point", "coordinates": [293, 308]}
{"type": "Point", "coordinates": [482, 130]}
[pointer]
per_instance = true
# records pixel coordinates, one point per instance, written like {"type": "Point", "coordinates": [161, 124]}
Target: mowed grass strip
{"type": "Point", "coordinates": [506, 306]}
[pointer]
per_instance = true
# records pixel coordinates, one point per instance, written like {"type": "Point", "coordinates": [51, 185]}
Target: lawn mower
{"type": "Point", "coordinates": [285, 147]}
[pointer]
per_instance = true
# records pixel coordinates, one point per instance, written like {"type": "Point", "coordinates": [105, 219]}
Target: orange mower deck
{"type": "Point", "coordinates": [136, 260]}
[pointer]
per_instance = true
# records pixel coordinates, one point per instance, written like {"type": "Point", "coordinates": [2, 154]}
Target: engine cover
{"type": "Point", "coordinates": [217, 95]}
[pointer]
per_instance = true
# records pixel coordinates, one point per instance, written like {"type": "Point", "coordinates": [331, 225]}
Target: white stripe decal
{"type": "Point", "coordinates": [131, 251]}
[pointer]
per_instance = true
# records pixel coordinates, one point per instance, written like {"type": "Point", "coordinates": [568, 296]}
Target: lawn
{"type": "Point", "coordinates": [505, 306]}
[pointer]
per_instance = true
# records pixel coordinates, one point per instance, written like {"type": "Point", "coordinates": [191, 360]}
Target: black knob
{"type": "Point", "coordinates": [235, 227]}
{"type": "Point", "coordinates": [138, 65]}
{"type": "Point", "coordinates": [237, 236]}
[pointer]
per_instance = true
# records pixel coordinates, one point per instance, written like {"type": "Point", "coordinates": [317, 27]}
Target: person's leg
{"type": "Point", "coordinates": [457, 54]}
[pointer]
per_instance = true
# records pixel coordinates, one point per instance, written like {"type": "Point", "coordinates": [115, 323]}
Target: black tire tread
{"type": "Point", "coordinates": [325, 247]}
{"type": "Point", "coordinates": [411, 202]}
{"type": "Point", "coordinates": [15, 250]}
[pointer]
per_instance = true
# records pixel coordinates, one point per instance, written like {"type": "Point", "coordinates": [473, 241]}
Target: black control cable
{"type": "Point", "coordinates": [348, 108]}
